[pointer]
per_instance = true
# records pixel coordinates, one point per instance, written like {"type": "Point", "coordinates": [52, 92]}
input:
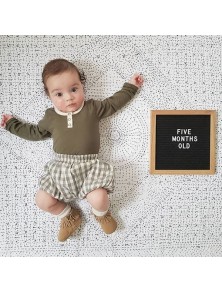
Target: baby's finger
{"type": "Point", "coordinates": [3, 121]}
{"type": "Point", "coordinates": [2, 124]}
{"type": "Point", "coordinates": [141, 78]}
{"type": "Point", "coordinates": [136, 75]}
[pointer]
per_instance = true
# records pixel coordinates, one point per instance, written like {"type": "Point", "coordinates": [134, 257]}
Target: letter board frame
{"type": "Point", "coordinates": [159, 161]}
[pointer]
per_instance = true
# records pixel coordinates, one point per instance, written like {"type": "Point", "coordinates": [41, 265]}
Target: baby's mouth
{"type": "Point", "coordinates": [71, 105]}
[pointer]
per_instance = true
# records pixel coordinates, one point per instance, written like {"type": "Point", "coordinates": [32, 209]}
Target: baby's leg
{"type": "Point", "coordinates": [70, 218]}
{"type": "Point", "coordinates": [49, 204]}
{"type": "Point", "coordinates": [99, 201]}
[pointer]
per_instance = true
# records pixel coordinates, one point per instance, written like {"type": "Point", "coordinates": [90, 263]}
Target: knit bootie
{"type": "Point", "coordinates": [69, 224]}
{"type": "Point", "coordinates": [107, 223]}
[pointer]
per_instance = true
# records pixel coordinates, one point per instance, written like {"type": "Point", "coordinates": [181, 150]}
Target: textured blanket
{"type": "Point", "coordinates": [158, 215]}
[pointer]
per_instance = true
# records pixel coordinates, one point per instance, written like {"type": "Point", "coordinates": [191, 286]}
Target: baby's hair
{"type": "Point", "coordinates": [58, 66]}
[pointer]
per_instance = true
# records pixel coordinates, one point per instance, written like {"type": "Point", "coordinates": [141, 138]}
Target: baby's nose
{"type": "Point", "coordinates": [68, 96]}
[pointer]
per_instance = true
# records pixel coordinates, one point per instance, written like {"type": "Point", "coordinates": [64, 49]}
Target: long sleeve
{"type": "Point", "coordinates": [109, 106]}
{"type": "Point", "coordinates": [28, 131]}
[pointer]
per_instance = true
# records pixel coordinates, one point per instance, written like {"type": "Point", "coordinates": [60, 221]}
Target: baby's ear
{"type": "Point", "coordinates": [82, 77]}
{"type": "Point", "coordinates": [83, 82]}
{"type": "Point", "coordinates": [46, 90]}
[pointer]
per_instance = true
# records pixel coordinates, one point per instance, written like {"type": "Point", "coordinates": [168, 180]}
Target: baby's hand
{"type": "Point", "coordinates": [137, 80]}
{"type": "Point", "coordinates": [5, 119]}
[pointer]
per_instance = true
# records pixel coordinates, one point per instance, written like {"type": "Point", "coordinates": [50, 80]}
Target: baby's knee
{"type": "Point", "coordinates": [99, 199]}
{"type": "Point", "coordinates": [44, 200]}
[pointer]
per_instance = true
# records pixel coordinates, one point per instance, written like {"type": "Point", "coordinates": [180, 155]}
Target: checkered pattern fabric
{"type": "Point", "coordinates": [73, 176]}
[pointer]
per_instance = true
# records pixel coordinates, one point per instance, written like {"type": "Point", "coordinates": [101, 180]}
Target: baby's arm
{"type": "Point", "coordinates": [109, 106]}
{"type": "Point", "coordinates": [25, 130]}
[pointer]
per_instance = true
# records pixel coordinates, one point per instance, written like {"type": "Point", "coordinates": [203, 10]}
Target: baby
{"type": "Point", "coordinates": [73, 124]}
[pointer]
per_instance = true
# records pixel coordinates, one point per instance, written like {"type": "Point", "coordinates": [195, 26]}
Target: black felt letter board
{"type": "Point", "coordinates": [183, 142]}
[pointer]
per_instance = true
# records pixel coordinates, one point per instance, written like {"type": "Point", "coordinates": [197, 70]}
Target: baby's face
{"type": "Point", "coordinates": [66, 91]}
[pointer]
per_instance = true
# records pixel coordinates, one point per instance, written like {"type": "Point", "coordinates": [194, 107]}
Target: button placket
{"type": "Point", "coordinates": [69, 120]}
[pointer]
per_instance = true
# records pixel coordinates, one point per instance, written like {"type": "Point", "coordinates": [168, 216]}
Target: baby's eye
{"type": "Point", "coordinates": [59, 94]}
{"type": "Point", "coordinates": [74, 89]}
